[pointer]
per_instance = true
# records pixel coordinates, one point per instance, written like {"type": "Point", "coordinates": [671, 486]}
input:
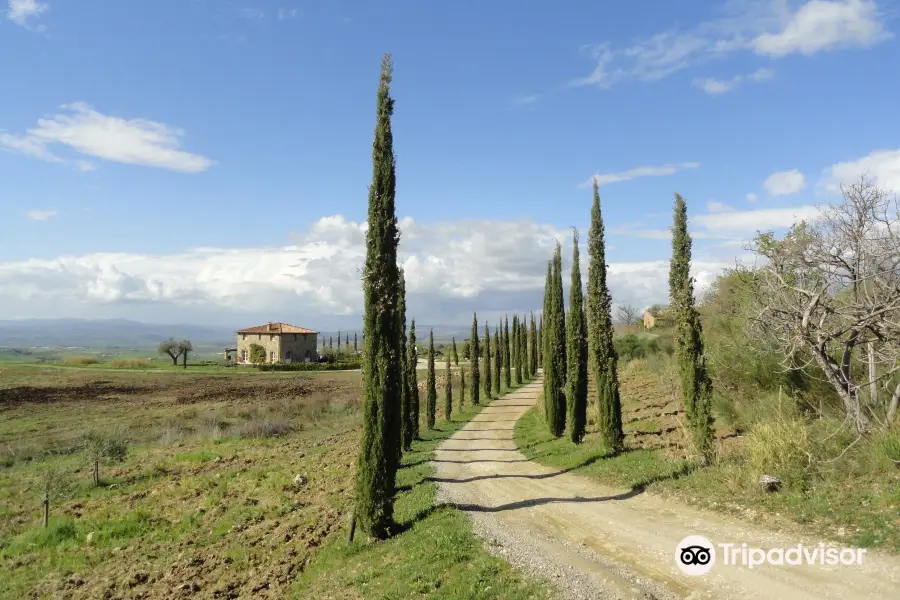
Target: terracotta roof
{"type": "Point", "coordinates": [272, 328]}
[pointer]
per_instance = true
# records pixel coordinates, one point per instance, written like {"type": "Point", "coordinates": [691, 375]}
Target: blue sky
{"type": "Point", "coordinates": [208, 160]}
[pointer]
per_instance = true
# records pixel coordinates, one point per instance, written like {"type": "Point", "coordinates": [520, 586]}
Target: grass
{"type": "Point", "coordinates": [852, 498]}
{"type": "Point", "coordinates": [436, 556]}
{"type": "Point", "coordinates": [206, 501]}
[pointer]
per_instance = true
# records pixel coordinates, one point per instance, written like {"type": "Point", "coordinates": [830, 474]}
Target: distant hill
{"type": "Point", "coordinates": [85, 333]}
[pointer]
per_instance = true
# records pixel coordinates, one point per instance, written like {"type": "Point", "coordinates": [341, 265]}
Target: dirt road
{"type": "Point", "coordinates": [598, 542]}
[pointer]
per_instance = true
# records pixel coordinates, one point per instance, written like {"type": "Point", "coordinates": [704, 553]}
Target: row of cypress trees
{"type": "Point", "coordinates": [583, 342]}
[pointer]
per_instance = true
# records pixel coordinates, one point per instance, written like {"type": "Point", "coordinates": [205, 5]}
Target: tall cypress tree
{"type": "Point", "coordinates": [515, 349]}
{"type": "Point", "coordinates": [507, 372]}
{"type": "Point", "coordinates": [355, 347]}
{"type": "Point", "coordinates": [534, 346]}
{"type": "Point", "coordinates": [602, 357]}
{"type": "Point", "coordinates": [378, 460]}
{"type": "Point", "coordinates": [330, 342]}
{"type": "Point", "coordinates": [431, 391]}
{"type": "Point", "coordinates": [448, 390]}
{"type": "Point", "coordinates": [526, 363]}
{"type": "Point", "coordinates": [540, 337]}
{"type": "Point", "coordinates": [488, 367]}
{"type": "Point", "coordinates": [462, 388]}
{"type": "Point", "coordinates": [696, 386]}
{"type": "Point", "coordinates": [576, 352]}
{"type": "Point", "coordinates": [410, 425]}
{"type": "Point", "coordinates": [473, 353]}
{"type": "Point", "coordinates": [405, 405]}
{"type": "Point", "coordinates": [455, 353]}
{"type": "Point", "coordinates": [555, 397]}
{"type": "Point", "coordinates": [495, 355]}
{"type": "Point", "coordinates": [413, 382]}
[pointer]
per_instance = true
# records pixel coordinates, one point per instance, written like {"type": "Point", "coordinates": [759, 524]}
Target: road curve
{"type": "Point", "coordinates": [599, 542]}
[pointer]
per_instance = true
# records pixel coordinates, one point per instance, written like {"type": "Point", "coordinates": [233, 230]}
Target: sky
{"type": "Point", "coordinates": [208, 161]}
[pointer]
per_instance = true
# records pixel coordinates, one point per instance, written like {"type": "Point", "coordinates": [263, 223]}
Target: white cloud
{"type": "Point", "coordinates": [452, 268]}
{"type": "Point", "coordinates": [763, 26]}
{"type": "Point", "coordinates": [882, 166]}
{"type": "Point", "coordinates": [608, 178]}
{"type": "Point", "coordinates": [784, 183]}
{"type": "Point", "coordinates": [21, 11]}
{"type": "Point", "coordinates": [821, 25]}
{"type": "Point", "coordinates": [750, 221]}
{"type": "Point", "coordinates": [287, 13]}
{"type": "Point", "coordinates": [88, 132]}
{"type": "Point", "coordinates": [751, 197]}
{"type": "Point", "coordinates": [84, 165]}
{"type": "Point", "coordinates": [717, 207]}
{"type": "Point", "coordinates": [40, 215]}
{"type": "Point", "coordinates": [714, 86]}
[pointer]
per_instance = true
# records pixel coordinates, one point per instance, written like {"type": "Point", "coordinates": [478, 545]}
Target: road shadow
{"type": "Point", "coordinates": [584, 463]}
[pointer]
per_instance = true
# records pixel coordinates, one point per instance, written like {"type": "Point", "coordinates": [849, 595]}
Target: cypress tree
{"type": "Point", "coordinates": [549, 372]}
{"type": "Point", "coordinates": [576, 352]}
{"type": "Point", "coordinates": [602, 357]}
{"type": "Point", "coordinates": [462, 388]}
{"type": "Point", "coordinates": [526, 366]}
{"type": "Point", "coordinates": [376, 468]}
{"type": "Point", "coordinates": [554, 394]}
{"type": "Point", "coordinates": [455, 353]}
{"type": "Point", "coordinates": [514, 348]}
{"type": "Point", "coordinates": [696, 386]}
{"type": "Point", "coordinates": [473, 354]}
{"type": "Point", "coordinates": [405, 406]}
{"type": "Point", "coordinates": [487, 361]}
{"type": "Point", "coordinates": [448, 393]}
{"type": "Point", "coordinates": [534, 346]}
{"type": "Point", "coordinates": [412, 380]}
{"type": "Point", "coordinates": [431, 398]}
{"type": "Point", "coordinates": [330, 342]}
{"type": "Point", "coordinates": [355, 347]}
{"type": "Point", "coordinates": [507, 372]}
{"type": "Point", "coordinates": [496, 354]}
{"type": "Point", "coordinates": [540, 336]}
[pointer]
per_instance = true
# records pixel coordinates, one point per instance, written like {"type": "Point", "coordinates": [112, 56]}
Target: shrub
{"type": "Point", "coordinates": [80, 360]}
{"type": "Point", "coordinates": [632, 346]}
{"type": "Point", "coordinates": [781, 447]}
{"type": "Point", "coordinates": [311, 366]}
{"type": "Point", "coordinates": [139, 363]}
{"type": "Point", "coordinates": [257, 353]}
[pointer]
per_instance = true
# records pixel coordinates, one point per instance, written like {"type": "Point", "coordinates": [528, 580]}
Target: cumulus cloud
{"type": "Point", "coordinates": [749, 221]}
{"type": "Point", "coordinates": [784, 183]}
{"type": "Point", "coordinates": [452, 269]}
{"type": "Point", "coordinates": [751, 197]}
{"type": "Point", "coordinates": [822, 25]}
{"type": "Point", "coordinates": [607, 178]}
{"type": "Point", "coordinates": [88, 132]}
{"type": "Point", "coordinates": [882, 166]}
{"type": "Point", "coordinates": [21, 12]}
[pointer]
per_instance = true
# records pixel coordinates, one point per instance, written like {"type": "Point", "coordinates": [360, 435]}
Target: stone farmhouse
{"type": "Point", "coordinates": [283, 343]}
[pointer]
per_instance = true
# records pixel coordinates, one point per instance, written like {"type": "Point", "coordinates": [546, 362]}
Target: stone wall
{"type": "Point", "coordinates": [295, 345]}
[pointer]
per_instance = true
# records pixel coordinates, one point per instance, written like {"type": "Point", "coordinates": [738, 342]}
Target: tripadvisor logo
{"type": "Point", "coordinates": [696, 555]}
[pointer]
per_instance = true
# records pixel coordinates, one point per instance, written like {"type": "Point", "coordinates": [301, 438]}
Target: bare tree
{"type": "Point", "coordinates": [172, 348]}
{"type": "Point", "coordinates": [831, 287]}
{"type": "Point", "coordinates": [185, 346]}
{"type": "Point", "coordinates": [628, 314]}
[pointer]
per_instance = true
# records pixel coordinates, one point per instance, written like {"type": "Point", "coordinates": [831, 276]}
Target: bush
{"type": "Point", "coordinates": [311, 366]}
{"type": "Point", "coordinates": [781, 448]}
{"type": "Point", "coordinates": [80, 360]}
{"type": "Point", "coordinates": [139, 363]}
{"type": "Point", "coordinates": [257, 354]}
{"type": "Point", "coordinates": [632, 346]}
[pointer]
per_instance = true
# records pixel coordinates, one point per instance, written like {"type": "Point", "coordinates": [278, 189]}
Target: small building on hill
{"type": "Point", "coordinates": [655, 316]}
{"type": "Point", "coordinates": [282, 342]}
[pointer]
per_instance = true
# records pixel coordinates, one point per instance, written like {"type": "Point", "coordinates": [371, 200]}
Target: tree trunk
{"type": "Point", "coordinates": [174, 359]}
{"type": "Point", "coordinates": [46, 503]}
{"type": "Point", "coordinates": [892, 408]}
{"type": "Point", "coordinates": [96, 473]}
{"type": "Point", "coordinates": [873, 375]}
{"type": "Point", "coordinates": [850, 397]}
{"type": "Point", "coordinates": [184, 362]}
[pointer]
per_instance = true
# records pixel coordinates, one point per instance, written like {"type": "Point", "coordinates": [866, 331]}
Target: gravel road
{"type": "Point", "coordinates": [592, 541]}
